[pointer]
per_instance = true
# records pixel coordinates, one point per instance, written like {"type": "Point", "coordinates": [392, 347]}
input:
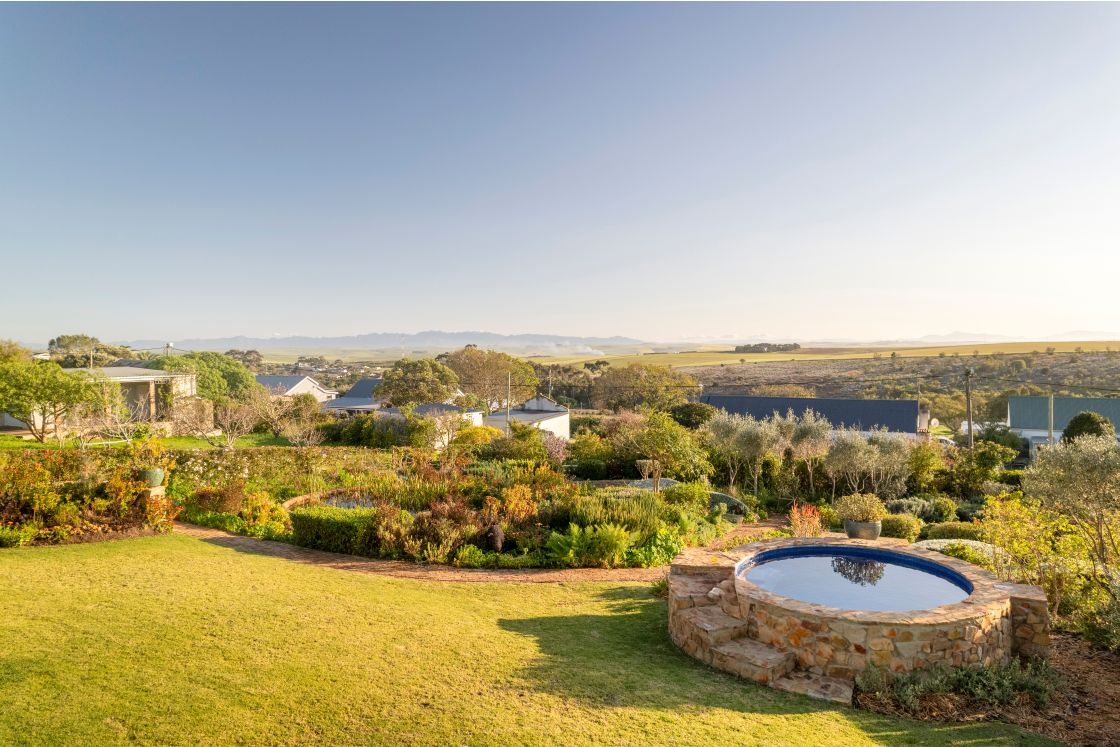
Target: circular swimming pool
{"type": "Point", "coordinates": [856, 578]}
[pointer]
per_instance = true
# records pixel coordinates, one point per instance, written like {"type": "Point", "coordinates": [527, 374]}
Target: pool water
{"type": "Point", "coordinates": [863, 579]}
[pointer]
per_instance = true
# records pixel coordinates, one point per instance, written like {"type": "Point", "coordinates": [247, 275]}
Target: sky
{"type": "Point", "coordinates": [660, 171]}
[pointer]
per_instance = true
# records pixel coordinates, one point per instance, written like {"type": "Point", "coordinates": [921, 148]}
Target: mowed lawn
{"type": "Point", "coordinates": [172, 640]}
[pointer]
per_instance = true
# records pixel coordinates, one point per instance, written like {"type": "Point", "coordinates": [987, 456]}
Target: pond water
{"type": "Point", "coordinates": [851, 579]}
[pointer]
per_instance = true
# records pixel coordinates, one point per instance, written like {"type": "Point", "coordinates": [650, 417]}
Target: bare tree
{"type": "Point", "coordinates": [234, 418]}
{"type": "Point", "coordinates": [272, 410]}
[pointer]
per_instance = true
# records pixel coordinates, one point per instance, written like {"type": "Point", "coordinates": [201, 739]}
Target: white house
{"type": "Point", "coordinates": [290, 386]}
{"type": "Point", "coordinates": [149, 393]}
{"type": "Point", "coordinates": [541, 412]}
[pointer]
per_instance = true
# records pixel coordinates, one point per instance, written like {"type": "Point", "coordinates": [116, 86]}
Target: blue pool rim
{"type": "Point", "coordinates": [862, 553]}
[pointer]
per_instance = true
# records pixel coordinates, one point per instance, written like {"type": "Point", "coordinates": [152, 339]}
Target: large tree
{"type": "Point", "coordinates": [1080, 479]}
{"type": "Point", "coordinates": [636, 386]}
{"type": "Point", "coordinates": [487, 373]}
{"type": "Point", "coordinates": [669, 446]}
{"type": "Point", "coordinates": [219, 377]}
{"type": "Point", "coordinates": [414, 382]}
{"type": "Point", "coordinates": [1088, 423]}
{"type": "Point", "coordinates": [42, 395]}
{"type": "Point", "coordinates": [80, 351]}
{"type": "Point", "coordinates": [12, 352]}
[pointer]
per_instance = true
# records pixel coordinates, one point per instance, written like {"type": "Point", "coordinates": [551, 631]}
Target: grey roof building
{"type": "Point", "coordinates": [359, 398]}
{"type": "Point", "coordinates": [898, 415]}
{"type": "Point", "coordinates": [1032, 413]}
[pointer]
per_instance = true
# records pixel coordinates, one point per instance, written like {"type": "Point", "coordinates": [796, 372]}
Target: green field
{"type": "Point", "coordinates": [714, 355]}
{"type": "Point", "coordinates": [173, 640]}
{"type": "Point", "coordinates": [718, 357]}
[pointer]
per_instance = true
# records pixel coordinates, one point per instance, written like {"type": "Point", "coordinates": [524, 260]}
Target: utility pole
{"type": "Point", "coordinates": [968, 403]}
{"type": "Point", "coordinates": [1050, 419]}
{"type": "Point", "coordinates": [550, 382]}
{"type": "Point", "coordinates": [509, 394]}
{"type": "Point", "coordinates": [91, 356]}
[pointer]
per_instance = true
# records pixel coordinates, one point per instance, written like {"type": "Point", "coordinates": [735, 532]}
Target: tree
{"type": "Point", "coordinates": [234, 418]}
{"type": "Point", "coordinates": [81, 351]}
{"type": "Point", "coordinates": [889, 466]}
{"type": "Point", "coordinates": [668, 445]}
{"type": "Point", "coordinates": [848, 460]}
{"type": "Point", "coordinates": [692, 415]}
{"type": "Point", "coordinates": [218, 377]}
{"type": "Point", "coordinates": [1088, 423]}
{"type": "Point", "coordinates": [812, 435]}
{"type": "Point", "coordinates": [414, 382]}
{"type": "Point", "coordinates": [971, 468]}
{"type": "Point", "coordinates": [12, 352]}
{"type": "Point", "coordinates": [272, 411]}
{"type": "Point", "coordinates": [758, 440]}
{"type": "Point", "coordinates": [926, 461]}
{"type": "Point", "coordinates": [486, 374]}
{"type": "Point", "coordinates": [304, 417]}
{"type": "Point", "coordinates": [42, 395]}
{"type": "Point", "coordinates": [1000, 434]}
{"type": "Point", "coordinates": [1080, 479]}
{"type": "Point", "coordinates": [251, 359]}
{"type": "Point", "coordinates": [636, 386]}
{"type": "Point", "coordinates": [724, 433]}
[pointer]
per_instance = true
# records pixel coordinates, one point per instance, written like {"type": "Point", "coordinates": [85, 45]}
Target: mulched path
{"type": "Point", "coordinates": [409, 569]}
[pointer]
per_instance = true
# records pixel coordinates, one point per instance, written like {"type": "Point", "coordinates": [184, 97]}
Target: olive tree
{"type": "Point", "coordinates": [812, 435]}
{"type": "Point", "coordinates": [668, 445]}
{"type": "Point", "coordinates": [1081, 481]}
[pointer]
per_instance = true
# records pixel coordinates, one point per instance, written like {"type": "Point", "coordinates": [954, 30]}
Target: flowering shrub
{"type": "Point", "coordinates": [805, 520]}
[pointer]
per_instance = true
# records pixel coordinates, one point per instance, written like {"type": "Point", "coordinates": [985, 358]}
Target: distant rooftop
{"type": "Point", "coordinates": [1032, 413]}
{"type": "Point", "coordinates": [899, 415]}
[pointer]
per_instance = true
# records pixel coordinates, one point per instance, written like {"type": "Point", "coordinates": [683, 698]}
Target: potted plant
{"type": "Point", "coordinates": [862, 514]}
{"type": "Point", "coordinates": [151, 462]}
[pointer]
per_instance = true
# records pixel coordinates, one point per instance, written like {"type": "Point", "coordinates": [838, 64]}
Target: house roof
{"type": "Point", "coordinates": [363, 388]}
{"type": "Point", "coordinates": [280, 383]}
{"type": "Point", "coordinates": [350, 403]}
{"type": "Point", "coordinates": [900, 415]}
{"type": "Point", "coordinates": [428, 408]}
{"type": "Point", "coordinates": [132, 373]}
{"type": "Point", "coordinates": [1032, 413]}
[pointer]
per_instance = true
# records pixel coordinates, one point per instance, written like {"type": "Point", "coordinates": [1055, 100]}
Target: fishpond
{"type": "Point", "coordinates": [856, 578]}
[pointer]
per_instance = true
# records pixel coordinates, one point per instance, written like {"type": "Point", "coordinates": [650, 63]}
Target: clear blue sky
{"type": "Point", "coordinates": [659, 171]}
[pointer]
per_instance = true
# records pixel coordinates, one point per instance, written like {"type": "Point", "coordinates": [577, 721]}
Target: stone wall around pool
{"type": "Point", "coordinates": [721, 618]}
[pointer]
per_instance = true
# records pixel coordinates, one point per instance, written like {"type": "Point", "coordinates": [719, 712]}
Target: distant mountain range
{"type": "Point", "coordinates": [426, 341]}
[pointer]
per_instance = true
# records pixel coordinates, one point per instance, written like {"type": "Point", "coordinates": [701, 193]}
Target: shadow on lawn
{"type": "Point", "coordinates": [626, 659]}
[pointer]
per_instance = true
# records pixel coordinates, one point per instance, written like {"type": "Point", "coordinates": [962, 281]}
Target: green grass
{"type": "Point", "coordinates": [174, 442]}
{"type": "Point", "coordinates": [171, 640]}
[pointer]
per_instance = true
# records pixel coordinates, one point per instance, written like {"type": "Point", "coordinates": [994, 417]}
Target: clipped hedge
{"type": "Point", "coordinates": [955, 530]}
{"type": "Point", "coordinates": [901, 526]}
{"type": "Point", "coordinates": [331, 529]}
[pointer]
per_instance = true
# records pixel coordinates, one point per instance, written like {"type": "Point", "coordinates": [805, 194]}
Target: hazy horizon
{"type": "Point", "coordinates": [662, 172]}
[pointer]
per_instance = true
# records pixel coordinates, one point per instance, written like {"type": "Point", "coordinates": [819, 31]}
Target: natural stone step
{"type": "Point", "coordinates": [700, 629]}
{"type": "Point", "coordinates": [816, 686]}
{"type": "Point", "coordinates": [752, 660]}
{"type": "Point", "coordinates": [689, 591]}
